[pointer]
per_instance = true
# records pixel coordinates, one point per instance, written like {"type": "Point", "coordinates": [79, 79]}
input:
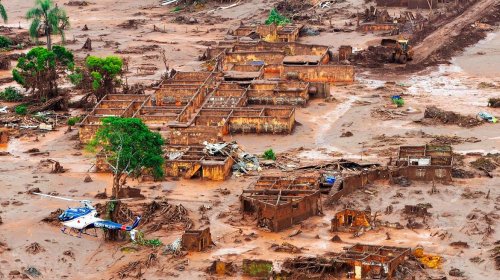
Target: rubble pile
{"type": "Point", "coordinates": [34, 248]}
{"type": "Point", "coordinates": [52, 218]}
{"type": "Point", "coordinates": [449, 117]}
{"type": "Point", "coordinates": [155, 215]}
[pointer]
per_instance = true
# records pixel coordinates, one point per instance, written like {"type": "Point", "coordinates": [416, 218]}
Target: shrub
{"type": "Point", "coordinates": [21, 110]}
{"type": "Point", "coordinates": [269, 154]}
{"type": "Point", "coordinates": [5, 42]}
{"type": "Point", "coordinates": [73, 120]}
{"type": "Point", "coordinates": [276, 18]}
{"type": "Point", "coordinates": [11, 94]}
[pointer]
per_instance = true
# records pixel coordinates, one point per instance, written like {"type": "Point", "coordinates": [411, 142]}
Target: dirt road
{"type": "Point", "coordinates": [441, 36]}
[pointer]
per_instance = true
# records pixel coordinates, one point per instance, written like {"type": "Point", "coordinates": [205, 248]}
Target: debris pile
{"type": "Point", "coordinates": [34, 248]}
{"type": "Point", "coordinates": [53, 217]}
{"type": "Point", "coordinates": [155, 215]}
{"type": "Point", "coordinates": [449, 117]}
{"type": "Point", "coordinates": [494, 102]}
{"type": "Point", "coordinates": [285, 247]}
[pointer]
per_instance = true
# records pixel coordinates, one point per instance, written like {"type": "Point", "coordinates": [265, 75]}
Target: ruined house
{"type": "Point", "coordinates": [425, 163]}
{"type": "Point", "coordinates": [280, 209]}
{"type": "Point", "coordinates": [359, 262]}
{"type": "Point", "coordinates": [350, 220]}
{"type": "Point", "coordinates": [196, 240]}
{"type": "Point", "coordinates": [194, 161]}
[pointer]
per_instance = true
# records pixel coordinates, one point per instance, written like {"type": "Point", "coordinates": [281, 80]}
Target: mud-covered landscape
{"type": "Point", "coordinates": [251, 139]}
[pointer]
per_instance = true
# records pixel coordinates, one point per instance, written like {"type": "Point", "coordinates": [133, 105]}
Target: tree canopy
{"type": "Point", "coordinates": [3, 13]}
{"type": "Point", "coordinates": [49, 18]}
{"type": "Point", "coordinates": [277, 18]}
{"type": "Point", "coordinates": [40, 69]}
{"type": "Point", "coordinates": [129, 148]}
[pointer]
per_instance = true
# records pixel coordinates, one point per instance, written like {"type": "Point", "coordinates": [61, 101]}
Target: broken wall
{"type": "Point", "coordinates": [196, 240]}
{"type": "Point", "coordinates": [334, 74]}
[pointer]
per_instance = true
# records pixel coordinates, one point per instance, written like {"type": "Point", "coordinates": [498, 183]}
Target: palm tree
{"type": "Point", "coordinates": [49, 18]}
{"type": "Point", "coordinates": [3, 12]}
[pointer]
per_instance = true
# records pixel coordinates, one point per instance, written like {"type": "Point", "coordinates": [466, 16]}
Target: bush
{"type": "Point", "coordinates": [5, 42]}
{"type": "Point", "coordinates": [11, 94]}
{"type": "Point", "coordinates": [276, 18]}
{"type": "Point", "coordinates": [73, 120]}
{"type": "Point", "coordinates": [21, 110]}
{"type": "Point", "coordinates": [269, 154]}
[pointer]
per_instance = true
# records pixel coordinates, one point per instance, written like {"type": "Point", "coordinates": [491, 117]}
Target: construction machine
{"type": "Point", "coordinates": [402, 50]}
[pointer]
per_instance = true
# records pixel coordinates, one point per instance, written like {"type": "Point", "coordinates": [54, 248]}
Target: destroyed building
{"type": "Point", "coordinates": [196, 240]}
{"type": "Point", "coordinates": [359, 262]}
{"type": "Point", "coordinates": [287, 182]}
{"type": "Point", "coordinates": [252, 86]}
{"type": "Point", "coordinates": [425, 163]}
{"type": "Point", "coordinates": [280, 209]}
{"type": "Point", "coordinates": [350, 220]}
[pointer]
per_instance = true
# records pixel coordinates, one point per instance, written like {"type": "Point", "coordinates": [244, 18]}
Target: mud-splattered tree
{"type": "Point", "coordinates": [100, 75]}
{"type": "Point", "coordinates": [3, 13]}
{"type": "Point", "coordinates": [40, 70]}
{"type": "Point", "coordinates": [48, 18]}
{"type": "Point", "coordinates": [129, 148]}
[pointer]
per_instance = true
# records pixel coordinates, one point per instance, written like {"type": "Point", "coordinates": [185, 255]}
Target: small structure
{"type": "Point", "coordinates": [359, 262]}
{"type": "Point", "coordinates": [350, 220]}
{"type": "Point", "coordinates": [426, 163]}
{"type": "Point", "coordinates": [280, 209]}
{"type": "Point", "coordinates": [196, 240]}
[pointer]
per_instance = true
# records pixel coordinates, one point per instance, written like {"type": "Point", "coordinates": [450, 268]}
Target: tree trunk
{"type": "Point", "coordinates": [49, 39]}
{"type": "Point", "coordinates": [114, 234]}
{"type": "Point", "coordinates": [116, 186]}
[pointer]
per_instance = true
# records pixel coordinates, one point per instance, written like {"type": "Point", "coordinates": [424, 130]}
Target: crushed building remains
{"type": "Point", "coordinates": [196, 240]}
{"type": "Point", "coordinates": [280, 209]}
{"type": "Point", "coordinates": [359, 261]}
{"type": "Point", "coordinates": [425, 163]}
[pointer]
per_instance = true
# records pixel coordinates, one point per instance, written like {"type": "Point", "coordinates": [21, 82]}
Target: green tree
{"type": "Point", "coordinates": [102, 75]}
{"type": "Point", "coordinates": [40, 69]}
{"type": "Point", "coordinates": [3, 12]}
{"type": "Point", "coordinates": [277, 18]}
{"type": "Point", "coordinates": [49, 18]}
{"type": "Point", "coordinates": [129, 148]}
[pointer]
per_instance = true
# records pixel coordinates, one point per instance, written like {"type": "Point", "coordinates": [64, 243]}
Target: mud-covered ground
{"type": "Point", "coordinates": [363, 108]}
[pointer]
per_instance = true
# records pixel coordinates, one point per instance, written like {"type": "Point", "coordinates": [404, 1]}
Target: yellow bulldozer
{"type": "Point", "coordinates": [402, 50]}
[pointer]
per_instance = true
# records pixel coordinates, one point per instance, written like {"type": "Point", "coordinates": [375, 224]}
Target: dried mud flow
{"type": "Point", "coordinates": [452, 78]}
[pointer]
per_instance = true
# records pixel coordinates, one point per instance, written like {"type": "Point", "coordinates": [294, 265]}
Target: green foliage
{"type": "Point", "coordinates": [76, 77]}
{"type": "Point", "coordinates": [176, 9]}
{"type": "Point", "coordinates": [130, 146]}
{"type": "Point", "coordinates": [269, 154]}
{"type": "Point", "coordinates": [73, 120]}
{"type": "Point", "coordinates": [11, 94]}
{"type": "Point", "coordinates": [398, 102]}
{"type": "Point", "coordinates": [276, 18]}
{"type": "Point", "coordinates": [5, 42]}
{"type": "Point", "coordinates": [21, 110]}
{"type": "Point", "coordinates": [39, 69]}
{"type": "Point", "coordinates": [48, 17]}
{"type": "Point", "coordinates": [139, 239]}
{"type": "Point", "coordinates": [104, 72]}
{"type": "Point", "coordinates": [3, 13]}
